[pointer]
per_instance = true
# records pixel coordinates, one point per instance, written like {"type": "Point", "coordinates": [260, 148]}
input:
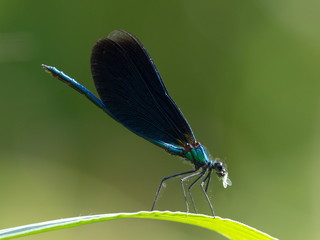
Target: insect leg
{"type": "Point", "coordinates": [205, 191]}
{"type": "Point", "coordinates": [191, 185]}
{"type": "Point", "coordinates": [182, 184]}
{"type": "Point", "coordinates": [164, 179]}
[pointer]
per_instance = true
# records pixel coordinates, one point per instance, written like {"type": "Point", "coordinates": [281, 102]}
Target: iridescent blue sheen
{"type": "Point", "coordinates": [132, 92]}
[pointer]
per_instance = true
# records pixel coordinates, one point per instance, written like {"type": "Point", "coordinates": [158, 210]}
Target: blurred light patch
{"type": "Point", "coordinates": [17, 47]}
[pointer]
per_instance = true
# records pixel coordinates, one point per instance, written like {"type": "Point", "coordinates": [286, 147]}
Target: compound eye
{"type": "Point", "coordinates": [219, 166]}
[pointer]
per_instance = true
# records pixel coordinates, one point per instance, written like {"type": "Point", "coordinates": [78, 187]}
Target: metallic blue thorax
{"type": "Point", "coordinates": [198, 156]}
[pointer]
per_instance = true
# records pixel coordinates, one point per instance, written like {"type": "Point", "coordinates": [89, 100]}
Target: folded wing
{"type": "Point", "coordinates": [131, 88]}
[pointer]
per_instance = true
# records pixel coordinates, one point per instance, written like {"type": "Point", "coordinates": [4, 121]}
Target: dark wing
{"type": "Point", "coordinates": [131, 88]}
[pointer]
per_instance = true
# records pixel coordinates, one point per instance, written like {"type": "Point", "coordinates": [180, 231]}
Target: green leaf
{"type": "Point", "coordinates": [226, 227]}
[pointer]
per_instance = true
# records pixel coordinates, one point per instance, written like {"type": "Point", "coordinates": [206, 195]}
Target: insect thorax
{"type": "Point", "coordinates": [197, 154]}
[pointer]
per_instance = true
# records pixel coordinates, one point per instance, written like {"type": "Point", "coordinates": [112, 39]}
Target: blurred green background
{"type": "Point", "coordinates": [245, 74]}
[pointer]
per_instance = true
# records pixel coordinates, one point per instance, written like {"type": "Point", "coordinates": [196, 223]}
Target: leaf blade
{"type": "Point", "coordinates": [226, 227]}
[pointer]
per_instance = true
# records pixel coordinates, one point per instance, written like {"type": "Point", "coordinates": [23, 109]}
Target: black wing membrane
{"type": "Point", "coordinates": [131, 88]}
